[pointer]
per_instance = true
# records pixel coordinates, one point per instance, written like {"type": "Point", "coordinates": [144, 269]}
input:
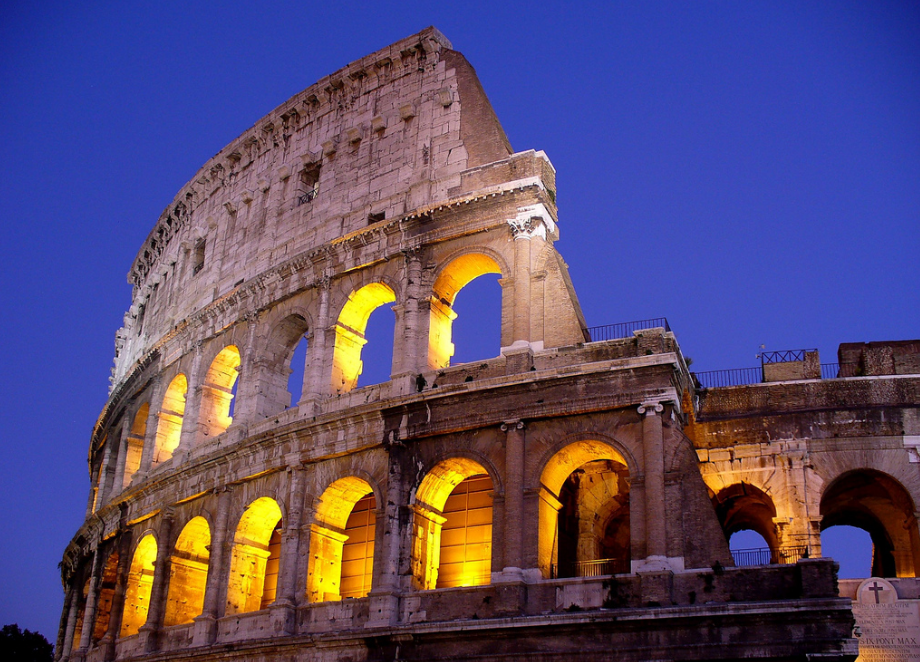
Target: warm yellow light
{"type": "Point", "coordinates": [140, 582]}
{"type": "Point", "coordinates": [135, 445]}
{"type": "Point", "coordinates": [217, 392]}
{"type": "Point", "coordinates": [332, 528]}
{"type": "Point", "coordinates": [452, 526]}
{"type": "Point", "coordinates": [250, 556]}
{"type": "Point", "coordinates": [451, 280]}
{"type": "Point", "coordinates": [188, 573]}
{"type": "Point", "coordinates": [349, 333]}
{"type": "Point", "coordinates": [171, 414]}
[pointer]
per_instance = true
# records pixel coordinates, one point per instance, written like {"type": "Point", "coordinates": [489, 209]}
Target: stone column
{"type": "Point", "coordinates": [283, 609]}
{"type": "Point", "coordinates": [150, 434]}
{"type": "Point", "coordinates": [121, 581]}
{"type": "Point", "coordinates": [384, 596]}
{"type": "Point", "coordinates": [205, 628]}
{"type": "Point", "coordinates": [319, 355]}
{"type": "Point", "coordinates": [119, 478]}
{"type": "Point", "coordinates": [63, 650]}
{"type": "Point", "coordinates": [105, 472]}
{"type": "Point", "coordinates": [522, 232]}
{"type": "Point", "coordinates": [653, 456]}
{"type": "Point", "coordinates": [529, 226]}
{"type": "Point", "coordinates": [514, 499]}
{"type": "Point", "coordinates": [149, 632]}
{"type": "Point", "coordinates": [413, 333]}
{"type": "Point", "coordinates": [246, 396]}
{"type": "Point", "coordinates": [189, 434]}
{"type": "Point", "coordinates": [89, 614]}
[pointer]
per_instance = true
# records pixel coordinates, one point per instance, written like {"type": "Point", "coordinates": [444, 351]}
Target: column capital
{"type": "Point", "coordinates": [532, 221]}
{"type": "Point", "coordinates": [650, 408]}
{"type": "Point", "coordinates": [516, 424]}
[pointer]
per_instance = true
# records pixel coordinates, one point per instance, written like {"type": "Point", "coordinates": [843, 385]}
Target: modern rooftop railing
{"type": "Point", "coordinates": [625, 329]}
{"type": "Point", "coordinates": [747, 376]}
{"type": "Point", "coordinates": [767, 556]}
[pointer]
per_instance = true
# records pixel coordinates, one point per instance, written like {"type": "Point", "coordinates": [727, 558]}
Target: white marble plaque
{"type": "Point", "coordinates": [888, 628]}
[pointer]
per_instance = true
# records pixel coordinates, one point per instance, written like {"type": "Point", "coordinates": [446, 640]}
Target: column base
{"type": "Point", "coordinates": [148, 638]}
{"type": "Point", "coordinates": [384, 609]}
{"type": "Point", "coordinates": [204, 630]}
{"type": "Point", "coordinates": [283, 617]}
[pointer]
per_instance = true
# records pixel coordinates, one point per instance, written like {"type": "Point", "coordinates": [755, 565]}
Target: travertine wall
{"type": "Point", "coordinates": [390, 183]}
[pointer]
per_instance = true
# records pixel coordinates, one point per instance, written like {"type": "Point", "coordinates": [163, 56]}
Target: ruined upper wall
{"type": "Point", "coordinates": [386, 135]}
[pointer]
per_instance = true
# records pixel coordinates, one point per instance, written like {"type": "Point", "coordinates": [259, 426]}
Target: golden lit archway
{"type": "Point", "coordinates": [349, 333]}
{"type": "Point", "coordinates": [454, 277]}
{"type": "Point", "coordinates": [188, 573]}
{"type": "Point", "coordinates": [253, 565]}
{"type": "Point", "coordinates": [105, 594]}
{"type": "Point", "coordinates": [452, 526]}
{"type": "Point", "coordinates": [171, 414]}
{"type": "Point", "coordinates": [134, 447]}
{"type": "Point", "coordinates": [584, 512]}
{"type": "Point", "coordinates": [217, 393]}
{"type": "Point", "coordinates": [878, 504]}
{"type": "Point", "coordinates": [342, 542]}
{"type": "Point", "coordinates": [140, 583]}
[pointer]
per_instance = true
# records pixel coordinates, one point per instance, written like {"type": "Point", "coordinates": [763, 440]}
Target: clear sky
{"type": "Point", "coordinates": [749, 170]}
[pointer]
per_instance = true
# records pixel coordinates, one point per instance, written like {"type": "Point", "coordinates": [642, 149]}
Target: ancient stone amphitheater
{"type": "Point", "coordinates": [569, 498]}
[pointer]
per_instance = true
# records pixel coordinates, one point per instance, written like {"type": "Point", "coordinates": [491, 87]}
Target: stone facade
{"type": "Point", "coordinates": [566, 498]}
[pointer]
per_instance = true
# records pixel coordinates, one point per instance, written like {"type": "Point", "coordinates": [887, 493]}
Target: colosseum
{"type": "Point", "coordinates": [570, 498]}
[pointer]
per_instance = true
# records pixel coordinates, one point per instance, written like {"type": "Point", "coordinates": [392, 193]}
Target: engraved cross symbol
{"type": "Point", "coordinates": [875, 588]}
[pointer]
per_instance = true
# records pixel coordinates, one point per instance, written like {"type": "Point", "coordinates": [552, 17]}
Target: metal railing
{"type": "Point", "coordinates": [625, 329]}
{"type": "Point", "coordinates": [304, 198]}
{"type": "Point", "coordinates": [784, 356]}
{"type": "Point", "coordinates": [745, 376]}
{"type": "Point", "coordinates": [734, 377]}
{"type": "Point", "coordinates": [767, 556]}
{"type": "Point", "coordinates": [596, 568]}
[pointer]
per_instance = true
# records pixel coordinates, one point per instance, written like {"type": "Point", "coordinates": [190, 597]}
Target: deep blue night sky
{"type": "Point", "coordinates": [750, 170]}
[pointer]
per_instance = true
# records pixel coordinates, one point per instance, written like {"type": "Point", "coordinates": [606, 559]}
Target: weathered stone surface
{"type": "Point", "coordinates": [564, 499]}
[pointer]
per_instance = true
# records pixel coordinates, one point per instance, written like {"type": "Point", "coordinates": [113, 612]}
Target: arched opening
{"type": "Point", "coordinates": [876, 503]}
{"type": "Point", "coordinates": [81, 613]}
{"type": "Point", "coordinates": [105, 594]}
{"type": "Point", "coordinates": [453, 278]}
{"type": "Point", "coordinates": [188, 573]}
{"type": "Point", "coordinates": [134, 448]}
{"type": "Point", "coordinates": [253, 565]}
{"type": "Point", "coordinates": [140, 583]}
{"type": "Point", "coordinates": [743, 507]}
{"type": "Point", "coordinates": [452, 526]}
{"type": "Point", "coordinates": [851, 548]}
{"type": "Point", "coordinates": [342, 542]}
{"type": "Point", "coordinates": [584, 527]}
{"type": "Point", "coordinates": [350, 333]}
{"type": "Point", "coordinates": [171, 413]}
{"type": "Point", "coordinates": [296, 369]}
{"type": "Point", "coordinates": [217, 393]}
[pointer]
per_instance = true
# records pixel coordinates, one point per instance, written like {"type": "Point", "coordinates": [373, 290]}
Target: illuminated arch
{"type": "Point", "coordinates": [217, 393]}
{"type": "Point", "coordinates": [349, 333]}
{"type": "Point", "coordinates": [254, 561]}
{"type": "Point", "coordinates": [283, 340]}
{"type": "Point", "coordinates": [455, 276]}
{"type": "Point", "coordinates": [743, 506]}
{"type": "Point", "coordinates": [140, 583]}
{"type": "Point", "coordinates": [188, 573]}
{"type": "Point", "coordinates": [878, 504]}
{"type": "Point", "coordinates": [584, 518]}
{"type": "Point", "coordinates": [452, 526]}
{"type": "Point", "coordinates": [342, 542]}
{"type": "Point", "coordinates": [134, 448]}
{"type": "Point", "coordinates": [171, 414]}
{"type": "Point", "coordinates": [105, 594]}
